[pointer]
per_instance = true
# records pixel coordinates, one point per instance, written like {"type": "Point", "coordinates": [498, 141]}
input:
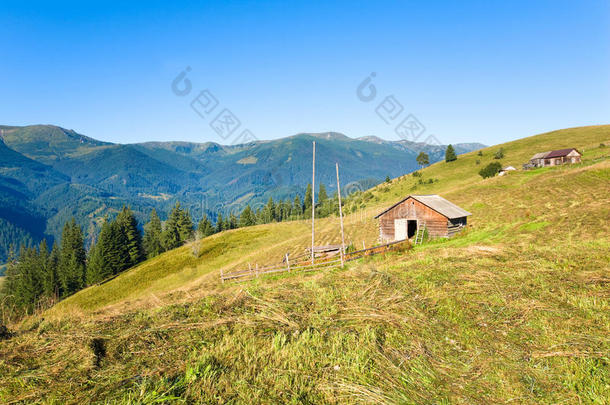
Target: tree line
{"type": "Point", "coordinates": [39, 276]}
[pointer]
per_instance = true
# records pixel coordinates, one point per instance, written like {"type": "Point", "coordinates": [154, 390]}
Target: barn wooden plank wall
{"type": "Point", "coordinates": [411, 209]}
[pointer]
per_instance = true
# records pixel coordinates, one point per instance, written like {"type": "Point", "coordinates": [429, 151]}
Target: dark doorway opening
{"type": "Point", "coordinates": [411, 228]}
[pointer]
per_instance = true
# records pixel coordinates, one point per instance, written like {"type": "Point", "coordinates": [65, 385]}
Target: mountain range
{"type": "Point", "coordinates": [49, 174]}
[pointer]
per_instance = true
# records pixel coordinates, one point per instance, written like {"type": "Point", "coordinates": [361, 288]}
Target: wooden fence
{"type": "Point", "coordinates": [298, 264]}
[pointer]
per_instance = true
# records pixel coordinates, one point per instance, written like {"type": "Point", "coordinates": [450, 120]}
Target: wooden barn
{"type": "Point", "coordinates": [440, 217]}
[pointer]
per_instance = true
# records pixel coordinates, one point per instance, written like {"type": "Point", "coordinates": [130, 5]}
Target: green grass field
{"type": "Point", "coordinates": [515, 309]}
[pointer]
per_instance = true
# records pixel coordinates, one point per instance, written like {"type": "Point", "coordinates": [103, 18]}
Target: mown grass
{"type": "Point", "coordinates": [516, 309]}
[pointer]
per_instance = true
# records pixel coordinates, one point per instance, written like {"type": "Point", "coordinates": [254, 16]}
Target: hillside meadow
{"type": "Point", "coordinates": [514, 309]}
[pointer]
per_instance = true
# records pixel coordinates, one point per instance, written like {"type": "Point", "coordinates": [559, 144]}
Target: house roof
{"type": "Point", "coordinates": [540, 155]}
{"type": "Point", "coordinates": [508, 168]}
{"type": "Point", "coordinates": [437, 203]}
{"type": "Point", "coordinates": [560, 153]}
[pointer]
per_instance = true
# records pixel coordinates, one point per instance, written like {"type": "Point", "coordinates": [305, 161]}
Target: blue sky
{"type": "Point", "coordinates": [468, 71]}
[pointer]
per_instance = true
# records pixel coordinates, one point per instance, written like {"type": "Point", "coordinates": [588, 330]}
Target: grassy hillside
{"type": "Point", "coordinates": [515, 309]}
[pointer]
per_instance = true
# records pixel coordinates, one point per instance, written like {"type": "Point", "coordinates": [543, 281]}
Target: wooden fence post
{"type": "Point", "coordinates": [313, 200]}
{"type": "Point", "coordinates": [287, 262]}
{"type": "Point", "coordinates": [340, 215]}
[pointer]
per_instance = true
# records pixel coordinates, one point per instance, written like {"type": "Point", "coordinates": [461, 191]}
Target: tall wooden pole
{"type": "Point", "coordinates": [313, 199]}
{"type": "Point", "coordinates": [340, 214]}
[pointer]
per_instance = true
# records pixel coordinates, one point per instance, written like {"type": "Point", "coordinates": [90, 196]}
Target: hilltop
{"type": "Point", "coordinates": [514, 308]}
{"type": "Point", "coordinates": [50, 174]}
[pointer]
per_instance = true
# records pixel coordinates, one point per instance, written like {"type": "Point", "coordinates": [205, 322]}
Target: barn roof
{"type": "Point", "coordinates": [560, 153]}
{"type": "Point", "coordinates": [540, 155]}
{"type": "Point", "coordinates": [437, 203]}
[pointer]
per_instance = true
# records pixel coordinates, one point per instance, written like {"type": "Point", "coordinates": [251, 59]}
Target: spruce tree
{"type": "Point", "coordinates": [29, 285]}
{"type": "Point", "coordinates": [322, 208]}
{"type": "Point", "coordinates": [51, 284]}
{"type": "Point", "coordinates": [450, 155]}
{"type": "Point", "coordinates": [115, 249]}
{"type": "Point", "coordinates": [269, 215]}
{"type": "Point", "coordinates": [185, 226]}
{"type": "Point", "coordinates": [297, 207]}
{"type": "Point", "coordinates": [307, 202]}
{"type": "Point", "coordinates": [171, 234]}
{"type": "Point", "coordinates": [72, 259]}
{"type": "Point", "coordinates": [247, 217]}
{"type": "Point", "coordinates": [219, 223]}
{"type": "Point", "coordinates": [205, 227]}
{"type": "Point", "coordinates": [129, 227]}
{"type": "Point", "coordinates": [95, 264]}
{"type": "Point", "coordinates": [232, 221]}
{"type": "Point", "coordinates": [151, 242]}
{"type": "Point", "coordinates": [322, 195]}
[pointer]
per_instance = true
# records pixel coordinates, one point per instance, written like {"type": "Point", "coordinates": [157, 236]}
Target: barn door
{"type": "Point", "coordinates": [400, 229]}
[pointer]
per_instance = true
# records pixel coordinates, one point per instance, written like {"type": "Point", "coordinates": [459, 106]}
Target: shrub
{"type": "Point", "coordinates": [416, 174]}
{"type": "Point", "coordinates": [499, 154]}
{"type": "Point", "coordinates": [490, 170]}
{"type": "Point", "coordinates": [478, 162]}
{"type": "Point", "coordinates": [480, 153]}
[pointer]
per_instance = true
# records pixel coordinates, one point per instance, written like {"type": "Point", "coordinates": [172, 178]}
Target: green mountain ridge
{"type": "Point", "coordinates": [49, 174]}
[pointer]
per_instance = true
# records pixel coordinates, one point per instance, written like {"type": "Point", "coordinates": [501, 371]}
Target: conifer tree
{"type": "Point", "coordinates": [95, 264]}
{"type": "Point", "coordinates": [152, 242]}
{"type": "Point", "coordinates": [72, 259]}
{"type": "Point", "coordinates": [185, 226]}
{"type": "Point", "coordinates": [247, 217]}
{"type": "Point", "coordinates": [129, 227]}
{"type": "Point", "coordinates": [450, 155]}
{"type": "Point", "coordinates": [322, 208]}
{"type": "Point", "coordinates": [297, 207]}
{"type": "Point", "coordinates": [115, 250]}
{"type": "Point", "coordinates": [269, 211]}
{"type": "Point", "coordinates": [307, 202]}
{"type": "Point", "coordinates": [51, 283]}
{"type": "Point", "coordinates": [171, 234]}
{"type": "Point", "coordinates": [322, 195]}
{"type": "Point", "coordinates": [205, 227]}
{"type": "Point", "coordinates": [219, 223]}
{"type": "Point", "coordinates": [232, 221]}
{"type": "Point", "coordinates": [29, 284]}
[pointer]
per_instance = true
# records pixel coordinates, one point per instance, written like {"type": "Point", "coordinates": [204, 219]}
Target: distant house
{"type": "Point", "coordinates": [505, 170]}
{"type": "Point", "coordinates": [554, 158]}
{"type": "Point", "coordinates": [441, 218]}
